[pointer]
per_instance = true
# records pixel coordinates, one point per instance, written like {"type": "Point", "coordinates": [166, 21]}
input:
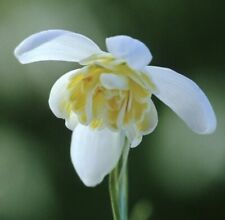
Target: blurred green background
{"type": "Point", "coordinates": [174, 174]}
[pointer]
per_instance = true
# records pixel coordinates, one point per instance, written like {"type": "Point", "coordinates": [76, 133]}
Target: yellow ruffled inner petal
{"type": "Point", "coordinates": [114, 108]}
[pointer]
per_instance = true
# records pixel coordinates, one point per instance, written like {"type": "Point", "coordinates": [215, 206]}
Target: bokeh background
{"type": "Point", "coordinates": [174, 174]}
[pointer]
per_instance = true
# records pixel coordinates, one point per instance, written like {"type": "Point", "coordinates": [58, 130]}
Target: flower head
{"type": "Point", "coordinates": [109, 98]}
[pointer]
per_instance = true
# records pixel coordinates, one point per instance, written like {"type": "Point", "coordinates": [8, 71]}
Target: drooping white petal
{"type": "Point", "coordinates": [150, 120]}
{"type": "Point", "coordinates": [71, 121]}
{"type": "Point", "coordinates": [185, 98]}
{"type": "Point", "coordinates": [134, 132]}
{"type": "Point", "coordinates": [133, 51]}
{"type": "Point", "coordinates": [55, 45]}
{"type": "Point", "coordinates": [59, 99]}
{"type": "Point", "coordinates": [113, 81]}
{"type": "Point", "coordinates": [134, 136]}
{"type": "Point", "coordinates": [95, 153]}
{"type": "Point", "coordinates": [59, 94]}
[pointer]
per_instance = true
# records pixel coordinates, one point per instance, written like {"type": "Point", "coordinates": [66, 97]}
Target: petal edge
{"type": "Point", "coordinates": [185, 98]}
{"type": "Point", "coordinates": [59, 100]}
{"type": "Point", "coordinates": [95, 153]}
{"type": "Point", "coordinates": [132, 50]}
{"type": "Point", "coordinates": [58, 45]}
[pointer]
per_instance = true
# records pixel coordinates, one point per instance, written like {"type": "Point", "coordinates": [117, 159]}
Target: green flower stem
{"type": "Point", "coordinates": [118, 186]}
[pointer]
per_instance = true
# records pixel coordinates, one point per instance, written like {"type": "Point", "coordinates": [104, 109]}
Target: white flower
{"type": "Point", "coordinates": [110, 97]}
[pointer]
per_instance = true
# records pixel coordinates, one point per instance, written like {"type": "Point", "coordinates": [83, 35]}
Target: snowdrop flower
{"type": "Point", "coordinates": [109, 98]}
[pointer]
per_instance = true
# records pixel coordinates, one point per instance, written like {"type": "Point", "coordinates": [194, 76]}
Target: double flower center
{"type": "Point", "coordinates": [107, 92]}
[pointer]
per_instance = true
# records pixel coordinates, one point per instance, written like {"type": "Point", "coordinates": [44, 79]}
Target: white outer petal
{"type": "Point", "coordinates": [132, 50]}
{"type": "Point", "coordinates": [55, 45]}
{"type": "Point", "coordinates": [185, 98]}
{"type": "Point", "coordinates": [72, 121]}
{"type": "Point", "coordinates": [134, 135]}
{"type": "Point", "coordinates": [59, 95]}
{"type": "Point", "coordinates": [152, 118]}
{"type": "Point", "coordinates": [95, 153]}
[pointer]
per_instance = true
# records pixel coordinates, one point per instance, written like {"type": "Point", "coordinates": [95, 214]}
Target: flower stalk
{"type": "Point", "coordinates": [118, 186]}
